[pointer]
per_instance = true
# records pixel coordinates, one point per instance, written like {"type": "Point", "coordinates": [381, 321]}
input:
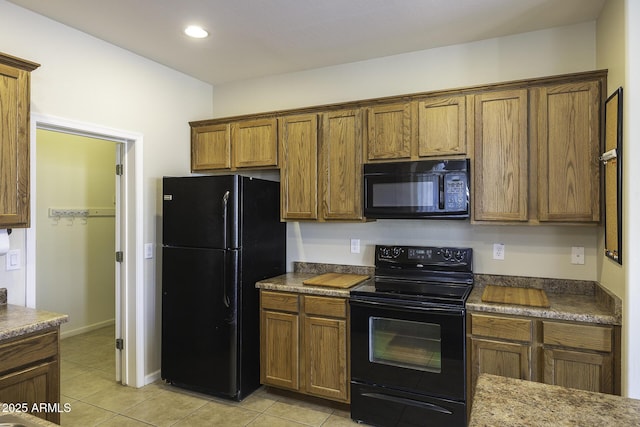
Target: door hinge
{"type": "Point", "coordinates": [119, 169]}
{"type": "Point", "coordinates": [119, 344]}
{"type": "Point", "coordinates": [119, 256]}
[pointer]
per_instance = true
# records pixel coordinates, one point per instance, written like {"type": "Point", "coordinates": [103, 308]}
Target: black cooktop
{"type": "Point", "coordinates": [439, 275]}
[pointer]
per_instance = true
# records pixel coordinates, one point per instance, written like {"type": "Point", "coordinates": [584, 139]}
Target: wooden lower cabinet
{"type": "Point", "coordinates": [580, 356]}
{"type": "Point", "coordinates": [568, 354]}
{"type": "Point", "coordinates": [30, 372]}
{"type": "Point", "coordinates": [312, 359]}
{"type": "Point", "coordinates": [279, 349]}
{"type": "Point", "coordinates": [507, 359]}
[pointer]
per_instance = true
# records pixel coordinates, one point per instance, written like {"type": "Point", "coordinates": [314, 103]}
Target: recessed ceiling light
{"type": "Point", "coordinates": [196, 32]}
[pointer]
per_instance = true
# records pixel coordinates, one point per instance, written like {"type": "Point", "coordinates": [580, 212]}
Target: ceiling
{"type": "Point", "coordinates": [255, 38]}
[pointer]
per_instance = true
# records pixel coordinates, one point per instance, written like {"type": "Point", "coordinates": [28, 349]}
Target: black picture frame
{"type": "Point", "coordinates": [613, 177]}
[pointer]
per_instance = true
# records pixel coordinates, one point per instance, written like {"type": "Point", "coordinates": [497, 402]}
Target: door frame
{"type": "Point", "coordinates": [129, 238]}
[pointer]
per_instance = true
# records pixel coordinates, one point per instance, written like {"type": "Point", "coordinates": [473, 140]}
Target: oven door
{"type": "Point", "coordinates": [409, 347]}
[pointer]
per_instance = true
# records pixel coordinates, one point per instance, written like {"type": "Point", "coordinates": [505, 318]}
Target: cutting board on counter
{"type": "Point", "coordinates": [336, 280]}
{"type": "Point", "coordinates": [518, 296]}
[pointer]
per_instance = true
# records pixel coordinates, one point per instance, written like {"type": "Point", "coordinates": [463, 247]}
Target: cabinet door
{"type": "Point", "coordinates": [442, 126]}
{"type": "Point", "coordinates": [210, 147]}
{"type": "Point", "coordinates": [14, 147]}
{"type": "Point", "coordinates": [341, 164]}
{"type": "Point", "coordinates": [325, 345]}
{"type": "Point", "coordinates": [581, 370]}
{"type": "Point", "coordinates": [254, 143]}
{"type": "Point", "coordinates": [279, 364]}
{"type": "Point", "coordinates": [389, 132]}
{"type": "Point", "coordinates": [500, 153]}
{"type": "Point", "coordinates": [568, 152]}
{"type": "Point", "coordinates": [33, 385]}
{"type": "Point", "coordinates": [299, 167]}
{"type": "Point", "coordinates": [507, 359]}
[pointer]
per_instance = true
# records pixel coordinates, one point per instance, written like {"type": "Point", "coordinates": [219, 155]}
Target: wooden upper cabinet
{"type": "Point", "coordinates": [254, 143]}
{"type": "Point", "coordinates": [234, 145]}
{"type": "Point", "coordinates": [341, 164]}
{"type": "Point", "coordinates": [299, 166]}
{"type": "Point", "coordinates": [568, 152]}
{"type": "Point", "coordinates": [15, 76]}
{"type": "Point", "coordinates": [389, 132]}
{"type": "Point", "coordinates": [442, 126]}
{"type": "Point", "coordinates": [501, 156]}
{"type": "Point", "coordinates": [211, 147]}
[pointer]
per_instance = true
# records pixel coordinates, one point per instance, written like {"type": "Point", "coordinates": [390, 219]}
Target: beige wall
{"type": "Point", "coordinates": [529, 251]}
{"type": "Point", "coordinates": [86, 80]}
{"type": "Point", "coordinates": [75, 272]}
{"type": "Point", "coordinates": [611, 51]}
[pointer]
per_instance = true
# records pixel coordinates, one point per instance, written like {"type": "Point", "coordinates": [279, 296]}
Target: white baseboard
{"type": "Point", "coordinates": [152, 377]}
{"type": "Point", "coordinates": [88, 328]}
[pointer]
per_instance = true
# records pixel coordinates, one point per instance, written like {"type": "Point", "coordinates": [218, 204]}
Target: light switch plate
{"type": "Point", "coordinates": [13, 259]}
{"type": "Point", "coordinates": [148, 250]}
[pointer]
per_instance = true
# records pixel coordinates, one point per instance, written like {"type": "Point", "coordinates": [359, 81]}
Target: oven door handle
{"type": "Point", "coordinates": [407, 306]}
{"type": "Point", "coordinates": [411, 402]}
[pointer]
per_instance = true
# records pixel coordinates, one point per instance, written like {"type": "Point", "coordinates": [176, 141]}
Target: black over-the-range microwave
{"type": "Point", "coordinates": [428, 189]}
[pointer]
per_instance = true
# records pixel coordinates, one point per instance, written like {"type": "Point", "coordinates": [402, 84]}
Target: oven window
{"type": "Point", "coordinates": [413, 345]}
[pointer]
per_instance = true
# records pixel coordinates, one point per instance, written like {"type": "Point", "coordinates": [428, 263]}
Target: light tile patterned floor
{"type": "Point", "coordinates": [88, 385]}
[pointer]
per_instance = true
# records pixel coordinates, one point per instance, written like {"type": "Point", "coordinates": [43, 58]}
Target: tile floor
{"type": "Point", "coordinates": [88, 385]}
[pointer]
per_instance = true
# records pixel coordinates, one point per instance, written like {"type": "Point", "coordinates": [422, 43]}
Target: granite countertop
{"type": "Point", "coordinates": [572, 300]}
{"type": "Point", "coordinates": [16, 320]}
{"type": "Point", "coordinates": [292, 282]}
{"type": "Point", "coordinates": [508, 402]}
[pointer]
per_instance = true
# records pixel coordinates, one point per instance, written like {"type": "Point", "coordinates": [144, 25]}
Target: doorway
{"type": "Point", "coordinates": [127, 211]}
{"type": "Point", "coordinates": [75, 218]}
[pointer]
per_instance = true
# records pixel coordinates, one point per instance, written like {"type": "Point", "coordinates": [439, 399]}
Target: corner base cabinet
{"type": "Point", "coordinates": [569, 354]}
{"type": "Point", "coordinates": [304, 344]}
{"type": "Point", "coordinates": [30, 373]}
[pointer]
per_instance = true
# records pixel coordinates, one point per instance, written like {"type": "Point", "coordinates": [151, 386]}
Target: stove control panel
{"type": "Point", "coordinates": [422, 255]}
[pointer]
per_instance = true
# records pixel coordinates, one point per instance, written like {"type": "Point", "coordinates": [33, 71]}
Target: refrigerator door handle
{"type": "Point", "coordinates": [225, 211]}
{"type": "Point", "coordinates": [225, 297]}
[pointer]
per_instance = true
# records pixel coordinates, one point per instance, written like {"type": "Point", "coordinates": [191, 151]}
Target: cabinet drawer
{"type": "Point", "coordinates": [501, 327]}
{"type": "Point", "coordinates": [282, 301]}
{"type": "Point", "coordinates": [25, 351]}
{"type": "Point", "coordinates": [324, 306]}
{"type": "Point", "coordinates": [598, 338]}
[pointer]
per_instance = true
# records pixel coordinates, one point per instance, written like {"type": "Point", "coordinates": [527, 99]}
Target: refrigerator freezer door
{"type": "Point", "coordinates": [200, 212]}
{"type": "Point", "coordinates": [199, 319]}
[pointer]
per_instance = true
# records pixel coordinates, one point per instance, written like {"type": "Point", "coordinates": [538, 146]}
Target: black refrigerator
{"type": "Point", "coordinates": [221, 234]}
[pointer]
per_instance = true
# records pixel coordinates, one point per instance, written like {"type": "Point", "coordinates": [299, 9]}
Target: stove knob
{"type": "Point", "coordinates": [459, 255]}
{"type": "Point", "coordinates": [397, 252]}
{"type": "Point", "coordinates": [446, 254]}
{"type": "Point", "coordinates": [385, 252]}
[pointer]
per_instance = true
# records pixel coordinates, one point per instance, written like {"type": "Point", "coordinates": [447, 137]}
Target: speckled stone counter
{"type": "Point", "coordinates": [501, 401]}
{"type": "Point", "coordinates": [572, 300]}
{"type": "Point", "coordinates": [292, 282]}
{"type": "Point", "coordinates": [16, 320]}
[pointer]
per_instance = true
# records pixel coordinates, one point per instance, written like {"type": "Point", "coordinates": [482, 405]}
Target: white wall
{"type": "Point", "coordinates": [75, 271]}
{"type": "Point", "coordinates": [529, 251]}
{"type": "Point", "coordinates": [87, 80]}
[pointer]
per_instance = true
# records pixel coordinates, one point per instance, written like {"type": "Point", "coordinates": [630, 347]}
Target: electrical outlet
{"type": "Point", "coordinates": [498, 251]}
{"type": "Point", "coordinates": [355, 246]}
{"type": "Point", "coordinates": [577, 255]}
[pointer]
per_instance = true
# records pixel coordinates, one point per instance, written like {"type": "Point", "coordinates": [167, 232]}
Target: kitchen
{"type": "Point", "coordinates": [83, 92]}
